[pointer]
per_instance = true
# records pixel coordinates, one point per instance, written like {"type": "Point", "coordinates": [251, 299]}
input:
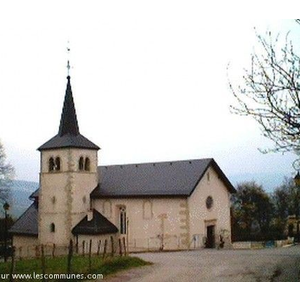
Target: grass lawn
{"type": "Point", "coordinates": [56, 268]}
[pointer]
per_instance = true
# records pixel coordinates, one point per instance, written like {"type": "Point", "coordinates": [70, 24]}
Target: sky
{"type": "Point", "coordinates": [149, 81]}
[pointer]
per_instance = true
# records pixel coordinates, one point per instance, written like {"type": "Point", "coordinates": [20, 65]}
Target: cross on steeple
{"type": "Point", "coordinates": [68, 64]}
{"type": "Point", "coordinates": [68, 67]}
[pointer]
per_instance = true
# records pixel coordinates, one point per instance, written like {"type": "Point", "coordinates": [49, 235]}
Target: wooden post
{"type": "Point", "coordinates": [53, 250]}
{"type": "Point", "coordinates": [70, 254]}
{"type": "Point", "coordinates": [43, 262]}
{"type": "Point", "coordinates": [105, 247]}
{"type": "Point", "coordinates": [12, 268]}
{"type": "Point", "coordinates": [112, 246]}
{"type": "Point", "coordinates": [120, 247]}
{"type": "Point", "coordinates": [20, 253]}
{"type": "Point", "coordinates": [83, 248]}
{"type": "Point", "coordinates": [90, 257]}
{"type": "Point", "coordinates": [124, 246]}
{"type": "Point", "coordinates": [37, 251]}
{"type": "Point", "coordinates": [98, 249]}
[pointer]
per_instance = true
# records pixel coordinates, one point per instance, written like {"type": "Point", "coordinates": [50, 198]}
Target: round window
{"type": "Point", "coordinates": [209, 202]}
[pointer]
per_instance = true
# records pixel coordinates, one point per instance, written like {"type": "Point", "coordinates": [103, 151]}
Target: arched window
{"type": "Point", "coordinates": [209, 202]}
{"type": "Point", "coordinates": [80, 165]}
{"type": "Point", "coordinates": [57, 163]}
{"type": "Point", "coordinates": [87, 164]}
{"type": "Point", "coordinates": [107, 209]}
{"type": "Point", "coordinates": [51, 164]}
{"type": "Point", "coordinates": [123, 220]}
{"type": "Point", "coordinates": [147, 209]}
{"type": "Point", "coordinates": [52, 227]}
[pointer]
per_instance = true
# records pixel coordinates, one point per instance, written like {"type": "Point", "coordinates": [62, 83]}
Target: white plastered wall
{"type": "Point", "coordinates": [218, 215]}
{"type": "Point", "coordinates": [64, 195]}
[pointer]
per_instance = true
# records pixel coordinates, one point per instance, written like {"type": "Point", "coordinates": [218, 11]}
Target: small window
{"type": "Point", "coordinates": [51, 165]}
{"type": "Point", "coordinates": [123, 220]}
{"type": "Point", "coordinates": [52, 227]}
{"type": "Point", "coordinates": [57, 164]}
{"type": "Point", "coordinates": [107, 209]}
{"type": "Point", "coordinates": [147, 210]}
{"type": "Point", "coordinates": [209, 202]}
{"type": "Point", "coordinates": [80, 166]}
{"type": "Point", "coordinates": [54, 164]}
{"type": "Point", "coordinates": [208, 176]}
{"type": "Point", "coordinates": [87, 164]}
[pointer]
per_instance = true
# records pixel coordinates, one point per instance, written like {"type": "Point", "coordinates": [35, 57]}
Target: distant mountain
{"type": "Point", "coordinates": [21, 190]}
{"type": "Point", "coordinates": [269, 181]}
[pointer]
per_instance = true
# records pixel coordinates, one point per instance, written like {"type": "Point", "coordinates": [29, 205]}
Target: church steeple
{"type": "Point", "coordinates": [68, 121]}
{"type": "Point", "coordinates": [68, 134]}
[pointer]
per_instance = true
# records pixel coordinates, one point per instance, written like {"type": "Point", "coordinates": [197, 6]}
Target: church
{"type": "Point", "coordinates": [175, 205]}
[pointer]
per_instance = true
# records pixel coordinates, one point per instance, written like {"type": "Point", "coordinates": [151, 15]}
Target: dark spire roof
{"type": "Point", "coordinates": [68, 135]}
{"type": "Point", "coordinates": [97, 225]}
{"type": "Point", "coordinates": [68, 121]}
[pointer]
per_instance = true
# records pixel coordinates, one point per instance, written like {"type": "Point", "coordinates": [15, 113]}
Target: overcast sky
{"type": "Point", "coordinates": [149, 82]}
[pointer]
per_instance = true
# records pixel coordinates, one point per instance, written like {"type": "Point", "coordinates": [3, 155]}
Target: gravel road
{"type": "Point", "coordinates": [278, 264]}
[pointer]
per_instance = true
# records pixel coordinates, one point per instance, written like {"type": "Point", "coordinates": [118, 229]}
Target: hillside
{"type": "Point", "coordinates": [21, 190]}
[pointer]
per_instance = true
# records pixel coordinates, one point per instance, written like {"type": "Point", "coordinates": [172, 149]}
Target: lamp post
{"type": "Point", "coordinates": [6, 208]}
{"type": "Point", "coordinates": [297, 184]}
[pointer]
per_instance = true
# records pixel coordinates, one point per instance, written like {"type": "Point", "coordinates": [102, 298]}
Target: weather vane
{"type": "Point", "coordinates": [68, 64]}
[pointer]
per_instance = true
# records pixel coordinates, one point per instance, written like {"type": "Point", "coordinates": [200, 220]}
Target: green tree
{"type": "Point", "coordinates": [287, 202]}
{"type": "Point", "coordinates": [6, 176]}
{"type": "Point", "coordinates": [252, 212]}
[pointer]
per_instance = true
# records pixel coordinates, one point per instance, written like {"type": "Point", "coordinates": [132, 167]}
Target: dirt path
{"type": "Point", "coordinates": [279, 264]}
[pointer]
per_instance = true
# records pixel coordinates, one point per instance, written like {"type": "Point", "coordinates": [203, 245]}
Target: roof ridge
{"type": "Point", "coordinates": [157, 162]}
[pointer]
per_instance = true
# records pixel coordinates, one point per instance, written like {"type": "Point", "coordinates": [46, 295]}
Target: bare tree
{"type": "Point", "coordinates": [270, 92]}
{"type": "Point", "coordinates": [6, 176]}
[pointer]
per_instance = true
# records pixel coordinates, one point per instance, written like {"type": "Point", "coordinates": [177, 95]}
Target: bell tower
{"type": "Point", "coordinates": [68, 174]}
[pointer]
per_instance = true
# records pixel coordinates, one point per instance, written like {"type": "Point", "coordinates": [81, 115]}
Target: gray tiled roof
{"type": "Point", "coordinates": [34, 195]}
{"type": "Point", "coordinates": [97, 225]}
{"type": "Point", "coordinates": [68, 141]}
{"type": "Point", "coordinates": [178, 178]}
{"type": "Point", "coordinates": [166, 179]}
{"type": "Point", "coordinates": [27, 224]}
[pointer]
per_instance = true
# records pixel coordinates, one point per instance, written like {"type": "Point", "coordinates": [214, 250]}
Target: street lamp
{"type": "Point", "coordinates": [6, 208]}
{"type": "Point", "coordinates": [297, 184]}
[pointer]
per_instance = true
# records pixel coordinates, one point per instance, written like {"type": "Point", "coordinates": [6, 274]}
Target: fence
{"type": "Point", "coordinates": [106, 247]}
{"type": "Point", "coordinates": [110, 247]}
{"type": "Point", "coordinates": [260, 245]}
